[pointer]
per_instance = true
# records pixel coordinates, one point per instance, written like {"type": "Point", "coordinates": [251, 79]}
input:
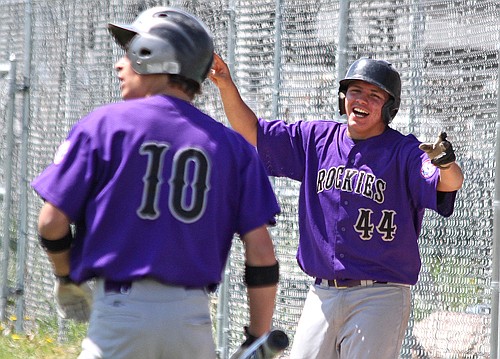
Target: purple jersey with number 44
{"type": "Point", "coordinates": [361, 203]}
{"type": "Point", "coordinates": [156, 189]}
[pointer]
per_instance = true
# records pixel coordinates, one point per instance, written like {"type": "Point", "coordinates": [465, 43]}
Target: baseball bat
{"type": "Point", "coordinates": [268, 346]}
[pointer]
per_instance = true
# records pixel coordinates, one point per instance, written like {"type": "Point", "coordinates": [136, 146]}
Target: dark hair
{"type": "Point", "coordinates": [190, 87]}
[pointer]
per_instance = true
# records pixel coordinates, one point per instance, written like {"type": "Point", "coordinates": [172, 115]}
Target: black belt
{"type": "Point", "coordinates": [124, 287]}
{"type": "Point", "coordinates": [347, 283]}
{"type": "Point", "coordinates": [111, 286]}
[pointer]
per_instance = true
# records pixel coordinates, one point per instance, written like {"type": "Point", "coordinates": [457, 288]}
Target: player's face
{"type": "Point", "coordinates": [363, 103]}
{"type": "Point", "coordinates": [134, 85]}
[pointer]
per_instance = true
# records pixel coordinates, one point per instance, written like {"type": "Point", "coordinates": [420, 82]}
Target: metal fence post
{"type": "Point", "coordinates": [22, 238]}
{"type": "Point", "coordinates": [495, 273]}
{"type": "Point", "coordinates": [223, 302]}
{"type": "Point", "coordinates": [342, 46]}
{"type": "Point", "coordinates": [10, 69]}
{"type": "Point", "coordinates": [277, 61]}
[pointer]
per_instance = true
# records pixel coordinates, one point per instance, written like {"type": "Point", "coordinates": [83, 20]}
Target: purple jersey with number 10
{"type": "Point", "coordinates": [156, 189]}
{"type": "Point", "coordinates": [361, 203]}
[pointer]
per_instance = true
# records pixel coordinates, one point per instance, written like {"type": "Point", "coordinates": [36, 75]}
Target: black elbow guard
{"type": "Point", "coordinates": [57, 245]}
{"type": "Point", "coordinates": [261, 276]}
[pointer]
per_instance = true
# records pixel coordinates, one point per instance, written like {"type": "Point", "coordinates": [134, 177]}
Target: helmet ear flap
{"type": "Point", "coordinates": [149, 55]}
{"type": "Point", "coordinates": [389, 111]}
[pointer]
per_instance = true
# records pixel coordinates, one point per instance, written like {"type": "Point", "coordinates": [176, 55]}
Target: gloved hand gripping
{"type": "Point", "coordinates": [73, 301]}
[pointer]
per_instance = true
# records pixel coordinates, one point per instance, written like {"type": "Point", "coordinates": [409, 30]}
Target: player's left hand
{"type": "Point", "coordinates": [441, 153]}
{"type": "Point", "coordinates": [73, 301]}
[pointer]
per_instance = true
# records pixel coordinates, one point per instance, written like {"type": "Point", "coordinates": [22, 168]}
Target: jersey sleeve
{"type": "Point", "coordinates": [281, 148]}
{"type": "Point", "coordinates": [258, 203]}
{"type": "Point", "coordinates": [66, 182]}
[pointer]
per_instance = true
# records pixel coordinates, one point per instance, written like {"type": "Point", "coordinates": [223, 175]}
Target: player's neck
{"type": "Point", "coordinates": [178, 93]}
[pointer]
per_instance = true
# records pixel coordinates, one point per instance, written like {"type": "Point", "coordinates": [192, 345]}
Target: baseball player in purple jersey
{"type": "Point", "coordinates": [364, 190]}
{"type": "Point", "coordinates": [155, 191]}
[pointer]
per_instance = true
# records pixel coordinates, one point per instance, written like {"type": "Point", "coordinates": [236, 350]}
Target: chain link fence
{"type": "Point", "coordinates": [287, 57]}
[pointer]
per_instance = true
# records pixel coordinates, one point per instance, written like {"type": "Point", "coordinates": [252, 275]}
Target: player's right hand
{"type": "Point", "coordinates": [249, 340]}
{"type": "Point", "coordinates": [73, 301]}
{"type": "Point", "coordinates": [441, 152]}
{"type": "Point", "coordinates": [219, 73]}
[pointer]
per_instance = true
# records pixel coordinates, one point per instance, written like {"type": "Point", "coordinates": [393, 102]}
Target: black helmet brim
{"type": "Point", "coordinates": [123, 34]}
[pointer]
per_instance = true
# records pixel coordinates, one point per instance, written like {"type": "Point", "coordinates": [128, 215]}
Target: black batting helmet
{"type": "Point", "coordinates": [379, 73]}
{"type": "Point", "coordinates": [164, 40]}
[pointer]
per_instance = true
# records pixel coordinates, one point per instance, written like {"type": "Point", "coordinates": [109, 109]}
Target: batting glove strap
{"type": "Point", "coordinates": [64, 279]}
{"type": "Point", "coordinates": [446, 157]}
{"type": "Point", "coordinates": [73, 301]}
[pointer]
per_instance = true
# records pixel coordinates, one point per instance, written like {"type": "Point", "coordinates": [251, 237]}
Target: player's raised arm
{"type": "Point", "coordinates": [240, 116]}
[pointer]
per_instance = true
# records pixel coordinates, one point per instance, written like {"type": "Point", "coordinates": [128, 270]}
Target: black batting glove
{"type": "Point", "coordinates": [250, 338]}
{"type": "Point", "coordinates": [440, 153]}
{"type": "Point", "coordinates": [248, 341]}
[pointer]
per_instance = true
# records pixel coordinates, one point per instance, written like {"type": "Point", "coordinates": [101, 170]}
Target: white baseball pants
{"type": "Point", "coordinates": [359, 322]}
{"type": "Point", "coordinates": [149, 321]}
